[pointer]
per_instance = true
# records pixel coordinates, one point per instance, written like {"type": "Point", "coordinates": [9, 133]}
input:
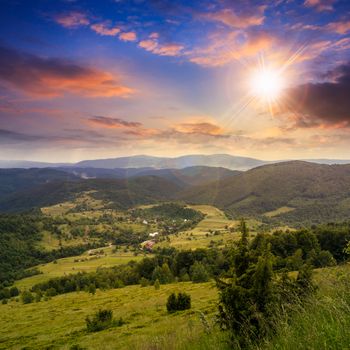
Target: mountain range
{"type": "Point", "coordinates": [295, 192]}
{"type": "Point", "coordinates": [143, 161]}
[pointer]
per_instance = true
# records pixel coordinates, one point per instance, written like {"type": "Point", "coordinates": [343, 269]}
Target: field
{"type": "Point", "coordinates": [279, 211]}
{"type": "Point", "coordinates": [59, 322]}
{"type": "Point", "coordinates": [214, 229]}
{"type": "Point", "coordinates": [75, 264]}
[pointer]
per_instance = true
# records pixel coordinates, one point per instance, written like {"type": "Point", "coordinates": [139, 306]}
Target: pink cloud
{"type": "Point", "coordinates": [104, 29]}
{"type": "Point", "coordinates": [320, 5]}
{"type": "Point", "coordinates": [339, 27]}
{"type": "Point", "coordinates": [72, 19]}
{"type": "Point", "coordinates": [237, 20]}
{"type": "Point", "coordinates": [128, 36]}
{"type": "Point", "coordinates": [161, 49]}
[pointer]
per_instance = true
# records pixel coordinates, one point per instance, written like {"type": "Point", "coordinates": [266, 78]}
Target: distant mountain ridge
{"type": "Point", "coordinates": [144, 161]}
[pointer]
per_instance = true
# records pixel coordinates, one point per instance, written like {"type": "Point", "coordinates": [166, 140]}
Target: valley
{"type": "Point", "coordinates": [125, 245]}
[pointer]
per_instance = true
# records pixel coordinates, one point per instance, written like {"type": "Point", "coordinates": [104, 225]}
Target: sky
{"type": "Point", "coordinates": [84, 79]}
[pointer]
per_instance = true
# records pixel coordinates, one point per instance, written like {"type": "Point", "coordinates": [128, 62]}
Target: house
{"type": "Point", "coordinates": [148, 245]}
{"type": "Point", "coordinates": [145, 222]}
{"type": "Point", "coordinates": [154, 234]}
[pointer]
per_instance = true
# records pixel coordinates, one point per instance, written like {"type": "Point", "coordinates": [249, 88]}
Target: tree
{"type": "Point", "coordinates": [156, 284]}
{"type": "Point", "coordinates": [252, 298]}
{"type": "Point", "coordinates": [27, 297]}
{"type": "Point", "coordinates": [163, 274]}
{"type": "Point", "coordinates": [199, 273]}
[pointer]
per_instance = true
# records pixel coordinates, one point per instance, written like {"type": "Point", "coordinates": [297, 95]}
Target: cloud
{"type": "Point", "coordinates": [72, 19]}
{"type": "Point", "coordinates": [224, 48]}
{"type": "Point", "coordinates": [8, 136]}
{"type": "Point", "coordinates": [104, 29]}
{"type": "Point", "coordinates": [236, 20]}
{"type": "Point", "coordinates": [51, 77]}
{"type": "Point", "coordinates": [342, 27]}
{"type": "Point", "coordinates": [153, 46]}
{"type": "Point", "coordinates": [107, 122]}
{"type": "Point", "coordinates": [324, 104]}
{"type": "Point", "coordinates": [203, 128]}
{"type": "Point", "coordinates": [320, 5]}
{"type": "Point", "coordinates": [128, 36]}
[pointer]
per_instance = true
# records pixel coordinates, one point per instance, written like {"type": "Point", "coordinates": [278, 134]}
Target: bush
{"type": "Point", "coordinates": [144, 282]}
{"type": "Point", "coordinates": [102, 319]}
{"type": "Point", "coordinates": [179, 302]}
{"type": "Point", "coordinates": [27, 297]}
{"type": "Point", "coordinates": [156, 284]}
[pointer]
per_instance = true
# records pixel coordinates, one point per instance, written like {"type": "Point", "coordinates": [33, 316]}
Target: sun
{"type": "Point", "coordinates": [266, 84]}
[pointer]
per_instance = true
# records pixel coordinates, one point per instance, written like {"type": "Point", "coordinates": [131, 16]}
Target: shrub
{"type": "Point", "coordinates": [156, 284]}
{"type": "Point", "coordinates": [102, 319]}
{"type": "Point", "coordinates": [27, 297]}
{"type": "Point", "coordinates": [179, 302]}
{"type": "Point", "coordinates": [144, 282]}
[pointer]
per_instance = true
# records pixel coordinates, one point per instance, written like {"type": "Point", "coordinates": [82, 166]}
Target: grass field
{"type": "Point", "coordinates": [75, 264]}
{"type": "Point", "coordinates": [279, 211]}
{"type": "Point", "coordinates": [59, 322]}
{"type": "Point", "coordinates": [214, 229]}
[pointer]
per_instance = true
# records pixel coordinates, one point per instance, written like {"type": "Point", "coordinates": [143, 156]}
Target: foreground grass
{"type": "Point", "coordinates": [59, 323]}
{"type": "Point", "coordinates": [324, 323]}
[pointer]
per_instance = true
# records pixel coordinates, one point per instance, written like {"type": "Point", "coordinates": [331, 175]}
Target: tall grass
{"type": "Point", "coordinates": [324, 322]}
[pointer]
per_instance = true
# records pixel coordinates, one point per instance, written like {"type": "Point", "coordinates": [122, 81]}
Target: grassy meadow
{"type": "Point", "coordinates": [59, 323]}
{"type": "Point", "coordinates": [81, 263]}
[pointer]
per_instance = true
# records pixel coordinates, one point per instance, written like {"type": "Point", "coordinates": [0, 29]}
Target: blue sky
{"type": "Point", "coordinates": [94, 79]}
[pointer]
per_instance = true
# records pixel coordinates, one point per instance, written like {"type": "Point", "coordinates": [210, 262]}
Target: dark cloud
{"type": "Point", "coordinates": [8, 136]}
{"type": "Point", "coordinates": [324, 104]}
{"type": "Point", "coordinates": [108, 122]}
{"type": "Point", "coordinates": [49, 77]}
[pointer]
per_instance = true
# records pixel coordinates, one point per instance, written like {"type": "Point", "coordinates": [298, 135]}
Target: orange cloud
{"type": "Point", "coordinates": [339, 27]}
{"type": "Point", "coordinates": [224, 49]}
{"type": "Point", "coordinates": [161, 49]}
{"type": "Point", "coordinates": [50, 77]}
{"type": "Point", "coordinates": [103, 29]}
{"type": "Point", "coordinates": [204, 128]}
{"type": "Point", "coordinates": [128, 36]}
{"type": "Point", "coordinates": [235, 20]}
{"type": "Point", "coordinates": [72, 19]}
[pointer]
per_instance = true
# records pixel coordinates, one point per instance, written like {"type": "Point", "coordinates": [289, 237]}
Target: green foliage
{"type": "Point", "coordinates": [156, 284]}
{"type": "Point", "coordinates": [144, 282]}
{"type": "Point", "coordinates": [181, 301]}
{"type": "Point", "coordinates": [101, 320]}
{"type": "Point", "coordinates": [27, 297]}
{"type": "Point", "coordinates": [163, 274]}
{"type": "Point", "coordinates": [252, 297]}
{"type": "Point", "coordinates": [198, 273]}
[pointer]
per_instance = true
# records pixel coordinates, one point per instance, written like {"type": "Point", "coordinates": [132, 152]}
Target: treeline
{"type": "Point", "coordinates": [173, 211]}
{"type": "Point", "coordinates": [19, 251]}
{"type": "Point", "coordinates": [167, 266]}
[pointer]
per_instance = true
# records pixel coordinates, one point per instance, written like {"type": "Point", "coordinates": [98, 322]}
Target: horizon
{"type": "Point", "coordinates": [176, 157]}
{"type": "Point", "coordinates": [90, 80]}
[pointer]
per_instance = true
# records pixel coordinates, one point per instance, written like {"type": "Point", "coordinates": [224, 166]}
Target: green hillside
{"type": "Point", "coordinates": [312, 193]}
